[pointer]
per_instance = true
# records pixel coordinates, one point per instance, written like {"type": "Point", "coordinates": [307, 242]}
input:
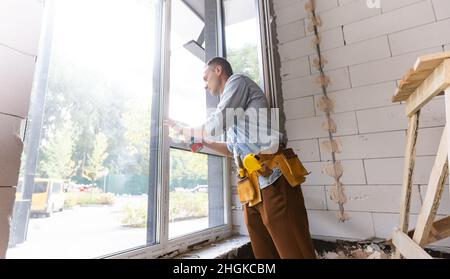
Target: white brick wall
{"type": "Point", "coordinates": [308, 128]}
{"type": "Point", "coordinates": [20, 26]}
{"type": "Point", "coordinates": [383, 70]}
{"type": "Point", "coordinates": [307, 86]}
{"type": "Point", "coordinates": [308, 150]}
{"type": "Point", "coordinates": [368, 51]}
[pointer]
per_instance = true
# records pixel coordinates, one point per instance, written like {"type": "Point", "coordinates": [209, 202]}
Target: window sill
{"type": "Point", "coordinates": [230, 248]}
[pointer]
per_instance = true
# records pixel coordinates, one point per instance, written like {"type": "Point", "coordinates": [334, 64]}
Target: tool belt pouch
{"type": "Point", "coordinates": [249, 191]}
{"type": "Point", "coordinates": [246, 190]}
{"type": "Point", "coordinates": [291, 167]}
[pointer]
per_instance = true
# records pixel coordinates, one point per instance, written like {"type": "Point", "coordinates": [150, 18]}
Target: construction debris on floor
{"type": "Point", "coordinates": [370, 250]}
{"type": "Point", "coordinates": [352, 250]}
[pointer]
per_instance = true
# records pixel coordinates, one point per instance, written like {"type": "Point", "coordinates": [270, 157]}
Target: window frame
{"type": "Point", "coordinates": [171, 247]}
{"type": "Point", "coordinates": [165, 247]}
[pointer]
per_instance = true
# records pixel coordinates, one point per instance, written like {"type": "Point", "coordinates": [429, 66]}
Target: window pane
{"type": "Point", "coordinates": [187, 93]}
{"type": "Point", "coordinates": [95, 135]}
{"type": "Point", "coordinates": [188, 199]}
{"type": "Point", "coordinates": [40, 187]}
{"type": "Point", "coordinates": [196, 196]}
{"type": "Point", "coordinates": [242, 37]}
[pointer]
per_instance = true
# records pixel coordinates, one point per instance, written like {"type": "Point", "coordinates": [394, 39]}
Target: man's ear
{"type": "Point", "coordinates": [219, 70]}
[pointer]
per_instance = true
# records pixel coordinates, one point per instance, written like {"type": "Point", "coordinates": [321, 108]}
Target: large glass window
{"type": "Point", "coordinates": [90, 127]}
{"type": "Point", "coordinates": [242, 37]}
{"type": "Point", "coordinates": [93, 171]}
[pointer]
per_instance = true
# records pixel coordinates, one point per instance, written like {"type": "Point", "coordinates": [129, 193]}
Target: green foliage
{"type": "Point", "coordinates": [81, 103]}
{"type": "Point", "coordinates": [187, 205]}
{"type": "Point", "coordinates": [182, 206]}
{"type": "Point", "coordinates": [245, 61]}
{"type": "Point", "coordinates": [97, 117]}
{"type": "Point", "coordinates": [137, 119]}
{"type": "Point", "coordinates": [94, 167]}
{"type": "Point", "coordinates": [134, 214]}
{"type": "Point", "coordinates": [187, 170]}
{"type": "Point", "coordinates": [57, 153]}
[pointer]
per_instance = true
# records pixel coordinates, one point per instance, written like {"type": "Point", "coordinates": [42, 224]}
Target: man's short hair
{"type": "Point", "coordinates": [223, 63]}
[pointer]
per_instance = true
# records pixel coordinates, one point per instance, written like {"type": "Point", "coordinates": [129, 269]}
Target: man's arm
{"type": "Point", "coordinates": [219, 147]}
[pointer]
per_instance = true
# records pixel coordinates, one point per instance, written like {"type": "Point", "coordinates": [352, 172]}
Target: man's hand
{"type": "Point", "coordinates": [174, 125]}
{"type": "Point", "coordinates": [182, 132]}
{"type": "Point", "coordinates": [185, 133]}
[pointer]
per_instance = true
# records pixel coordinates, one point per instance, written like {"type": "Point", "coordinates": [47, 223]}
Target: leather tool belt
{"type": "Point", "coordinates": [262, 165]}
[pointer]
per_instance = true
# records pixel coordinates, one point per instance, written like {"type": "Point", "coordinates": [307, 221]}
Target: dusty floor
{"type": "Point", "coordinates": [352, 250]}
{"type": "Point", "coordinates": [371, 250]}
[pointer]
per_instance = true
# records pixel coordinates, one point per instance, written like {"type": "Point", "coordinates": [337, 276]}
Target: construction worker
{"type": "Point", "coordinates": [277, 223]}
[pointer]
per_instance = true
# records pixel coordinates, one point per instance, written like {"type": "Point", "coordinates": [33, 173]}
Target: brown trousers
{"type": "Point", "coordinates": [278, 226]}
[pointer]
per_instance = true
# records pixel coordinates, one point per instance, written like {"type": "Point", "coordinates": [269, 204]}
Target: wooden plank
{"type": "Point", "coordinates": [437, 82]}
{"type": "Point", "coordinates": [407, 247]}
{"type": "Point", "coordinates": [416, 78]}
{"type": "Point", "coordinates": [430, 61]}
{"type": "Point", "coordinates": [447, 112]}
{"type": "Point", "coordinates": [409, 85]}
{"type": "Point", "coordinates": [408, 168]}
{"type": "Point", "coordinates": [424, 66]}
{"type": "Point", "coordinates": [415, 81]}
{"type": "Point", "coordinates": [439, 230]}
{"type": "Point", "coordinates": [410, 159]}
{"type": "Point", "coordinates": [406, 77]}
{"type": "Point", "coordinates": [434, 193]}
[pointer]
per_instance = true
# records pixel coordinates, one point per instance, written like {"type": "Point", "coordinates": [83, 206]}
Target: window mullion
{"type": "Point", "coordinates": [165, 151]}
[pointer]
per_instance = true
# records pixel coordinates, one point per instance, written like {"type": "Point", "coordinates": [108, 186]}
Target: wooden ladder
{"type": "Point", "coordinates": [429, 78]}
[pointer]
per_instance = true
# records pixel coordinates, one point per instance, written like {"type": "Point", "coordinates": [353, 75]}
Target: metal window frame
{"type": "Point", "coordinates": [268, 53]}
{"type": "Point", "coordinates": [264, 47]}
{"type": "Point", "coordinates": [172, 248]}
{"type": "Point", "coordinates": [165, 247]}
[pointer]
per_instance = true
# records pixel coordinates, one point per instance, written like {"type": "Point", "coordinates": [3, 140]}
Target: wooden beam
{"type": "Point", "coordinates": [447, 112]}
{"type": "Point", "coordinates": [437, 82]}
{"type": "Point", "coordinates": [407, 247]}
{"type": "Point", "coordinates": [434, 193]}
{"type": "Point", "coordinates": [408, 168]}
{"type": "Point", "coordinates": [439, 230]}
{"type": "Point", "coordinates": [430, 61]}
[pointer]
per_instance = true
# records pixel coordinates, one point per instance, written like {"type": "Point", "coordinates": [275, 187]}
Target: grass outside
{"type": "Point", "coordinates": [72, 199]}
{"type": "Point", "coordinates": [182, 206]}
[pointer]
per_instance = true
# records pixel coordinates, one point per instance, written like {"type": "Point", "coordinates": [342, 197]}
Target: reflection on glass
{"type": "Point", "coordinates": [94, 145]}
{"type": "Point", "coordinates": [242, 37]}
